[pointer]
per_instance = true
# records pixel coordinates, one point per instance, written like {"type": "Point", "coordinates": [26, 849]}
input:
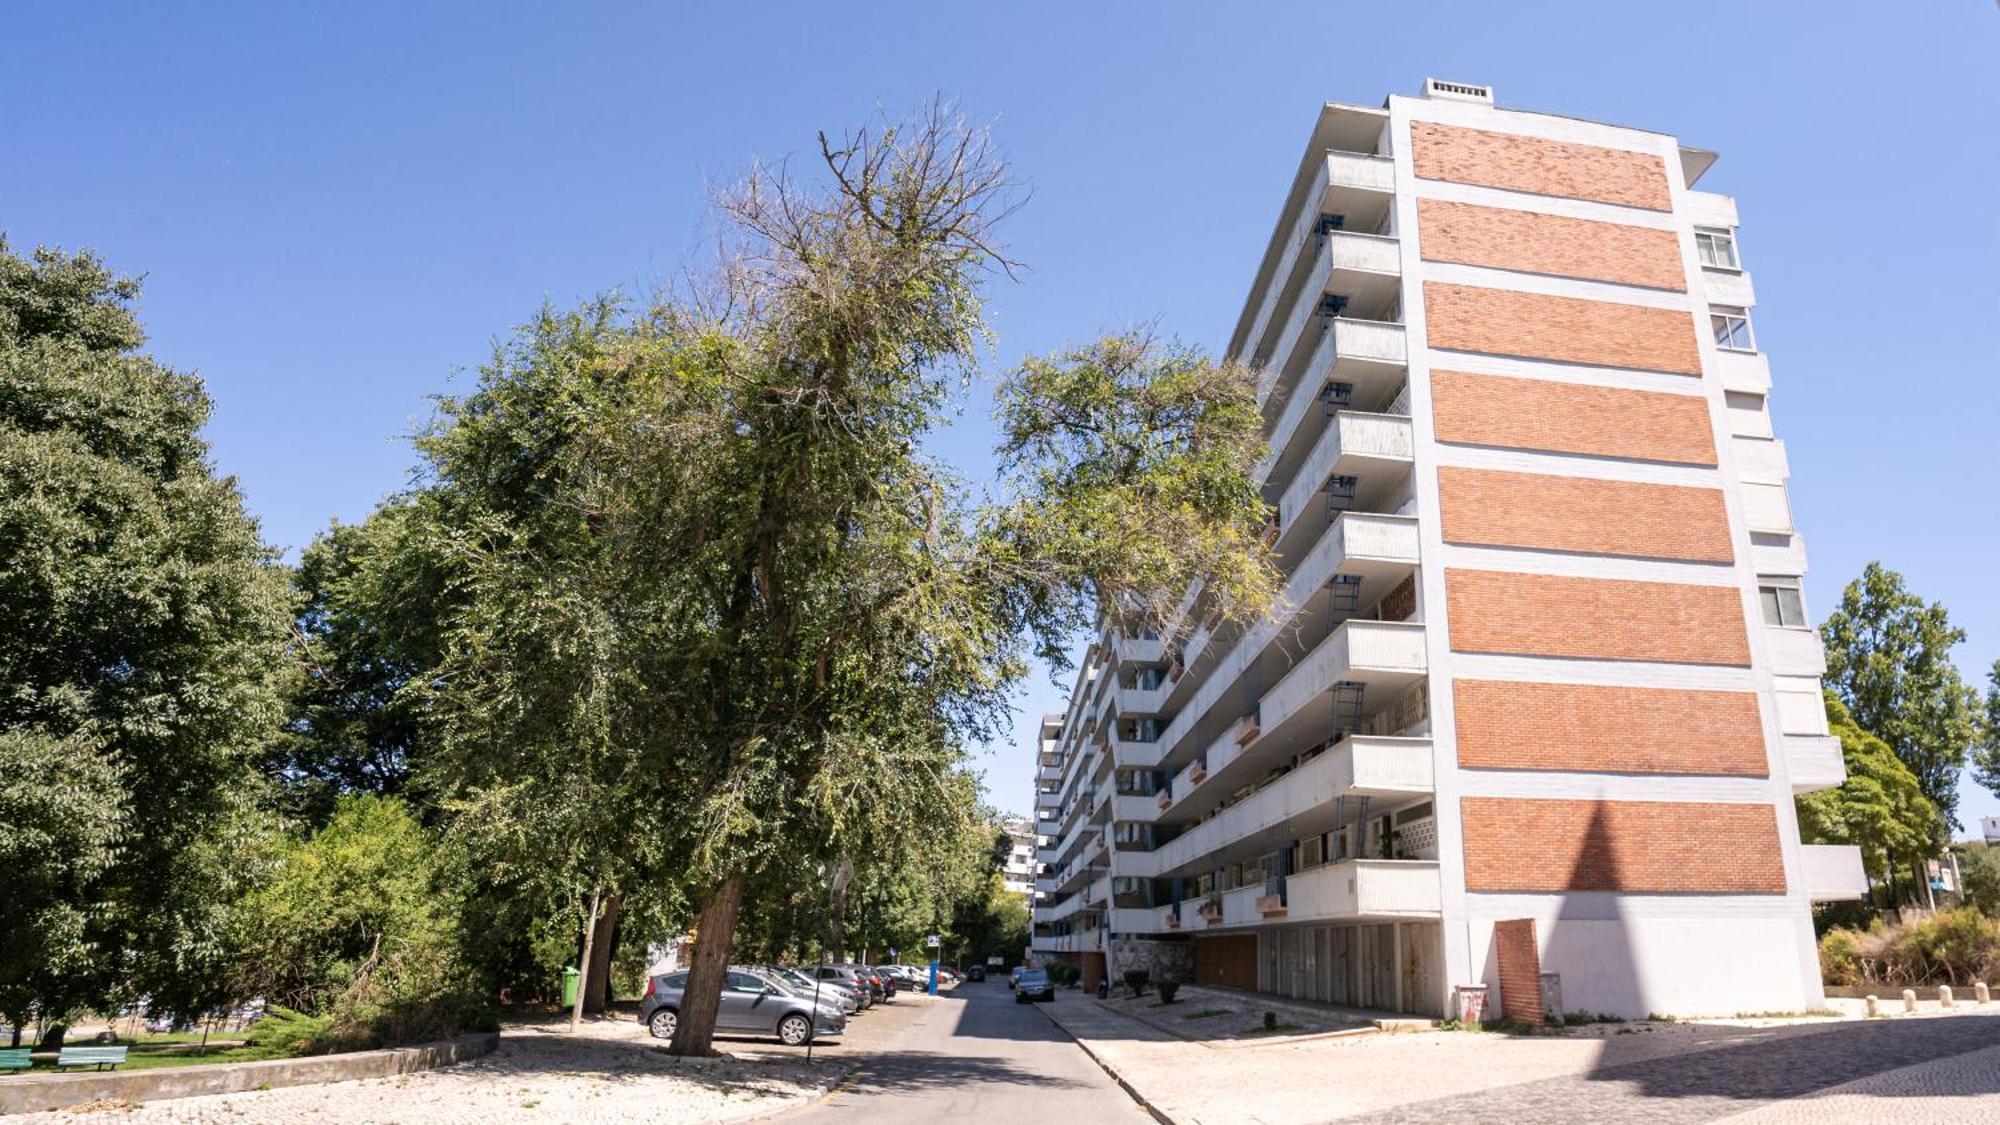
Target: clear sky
{"type": "Point", "coordinates": [338, 207]}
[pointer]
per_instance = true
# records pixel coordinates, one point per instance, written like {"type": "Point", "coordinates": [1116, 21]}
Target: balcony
{"type": "Point", "coordinates": [1795, 652]}
{"type": "Point", "coordinates": [1301, 803]}
{"type": "Point", "coordinates": [1814, 762]}
{"type": "Point", "coordinates": [1351, 890]}
{"type": "Point", "coordinates": [1047, 799]}
{"type": "Point", "coordinates": [1355, 445]}
{"type": "Point", "coordinates": [1833, 872]}
{"type": "Point", "coordinates": [1367, 355]}
{"type": "Point", "coordinates": [1743, 371]}
{"type": "Point", "coordinates": [1357, 186]}
{"type": "Point", "coordinates": [1364, 270]}
{"type": "Point", "coordinates": [1049, 774]}
{"type": "Point", "coordinates": [1761, 459]}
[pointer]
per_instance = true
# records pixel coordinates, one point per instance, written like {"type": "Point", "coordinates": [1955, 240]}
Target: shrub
{"type": "Point", "coordinates": [1168, 990]}
{"type": "Point", "coordinates": [1135, 979]}
{"type": "Point", "coordinates": [1840, 957]}
{"type": "Point", "coordinates": [1063, 974]}
{"type": "Point", "coordinates": [283, 1031]}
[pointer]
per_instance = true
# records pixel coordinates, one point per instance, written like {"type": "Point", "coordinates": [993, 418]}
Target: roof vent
{"type": "Point", "coordinates": [1458, 91]}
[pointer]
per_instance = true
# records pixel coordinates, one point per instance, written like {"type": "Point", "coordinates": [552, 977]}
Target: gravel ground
{"type": "Point", "coordinates": [610, 1071]}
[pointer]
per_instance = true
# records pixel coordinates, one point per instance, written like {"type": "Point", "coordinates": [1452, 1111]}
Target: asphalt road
{"type": "Point", "coordinates": [975, 1055]}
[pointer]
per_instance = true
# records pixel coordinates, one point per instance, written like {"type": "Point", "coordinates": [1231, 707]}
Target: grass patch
{"type": "Point", "coordinates": [1270, 1029]}
{"type": "Point", "coordinates": [1206, 1013]}
{"type": "Point", "coordinates": [195, 1056]}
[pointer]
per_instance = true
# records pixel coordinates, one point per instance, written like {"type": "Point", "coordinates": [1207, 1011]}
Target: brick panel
{"type": "Point", "coordinates": [1518, 163]}
{"type": "Point", "coordinates": [1595, 618]}
{"type": "Point", "coordinates": [1593, 729]}
{"type": "Point", "coordinates": [1226, 962]}
{"type": "Point", "coordinates": [1597, 517]}
{"type": "Point", "coordinates": [1520, 971]}
{"type": "Point", "coordinates": [1645, 847]}
{"type": "Point", "coordinates": [1476, 318]}
{"type": "Point", "coordinates": [1551, 244]}
{"type": "Point", "coordinates": [1571, 418]}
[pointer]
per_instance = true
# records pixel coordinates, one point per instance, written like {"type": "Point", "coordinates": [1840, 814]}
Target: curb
{"type": "Point", "coordinates": [1110, 1071]}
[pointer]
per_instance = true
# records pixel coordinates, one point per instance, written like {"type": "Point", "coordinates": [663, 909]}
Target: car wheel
{"type": "Point", "coordinates": [794, 1030]}
{"type": "Point", "coordinates": [663, 1023]}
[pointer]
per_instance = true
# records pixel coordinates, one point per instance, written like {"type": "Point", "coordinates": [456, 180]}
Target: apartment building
{"type": "Point", "coordinates": [1018, 870]}
{"type": "Point", "coordinates": [1541, 687]}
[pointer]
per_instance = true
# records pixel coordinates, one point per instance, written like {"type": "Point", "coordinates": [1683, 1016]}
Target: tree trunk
{"type": "Point", "coordinates": [52, 1036]}
{"type": "Point", "coordinates": [714, 931]}
{"type": "Point", "coordinates": [589, 932]}
{"type": "Point", "coordinates": [836, 902]}
{"type": "Point", "coordinates": [597, 997]}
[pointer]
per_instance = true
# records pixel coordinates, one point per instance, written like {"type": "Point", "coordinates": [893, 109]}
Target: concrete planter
{"type": "Point", "coordinates": [30, 1093]}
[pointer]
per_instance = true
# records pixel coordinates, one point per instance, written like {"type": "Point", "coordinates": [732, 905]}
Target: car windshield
{"type": "Point", "coordinates": [1034, 976]}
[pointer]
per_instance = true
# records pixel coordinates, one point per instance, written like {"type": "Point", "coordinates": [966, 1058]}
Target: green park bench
{"type": "Point", "coordinates": [99, 1057]}
{"type": "Point", "coordinates": [15, 1058]}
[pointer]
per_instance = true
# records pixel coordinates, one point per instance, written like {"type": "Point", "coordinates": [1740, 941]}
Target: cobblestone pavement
{"type": "Point", "coordinates": [1926, 1067]}
{"type": "Point", "coordinates": [610, 1071]}
{"type": "Point", "coordinates": [1740, 1070]}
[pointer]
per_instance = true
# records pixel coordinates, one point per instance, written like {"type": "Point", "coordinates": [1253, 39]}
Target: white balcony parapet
{"type": "Point", "coordinates": [1366, 353]}
{"type": "Point", "coordinates": [1833, 872]}
{"type": "Point", "coordinates": [1365, 765]}
{"type": "Point", "coordinates": [1795, 652]}
{"type": "Point", "coordinates": [1352, 445]}
{"type": "Point", "coordinates": [1814, 762]}
{"type": "Point", "coordinates": [1368, 652]}
{"type": "Point", "coordinates": [1387, 889]}
{"type": "Point", "coordinates": [1352, 171]}
{"type": "Point", "coordinates": [1346, 261]}
{"type": "Point", "coordinates": [1743, 371]}
{"type": "Point", "coordinates": [1359, 542]}
{"type": "Point", "coordinates": [1761, 459]}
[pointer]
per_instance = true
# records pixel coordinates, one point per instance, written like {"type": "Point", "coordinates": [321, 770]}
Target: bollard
{"type": "Point", "coordinates": [1872, 1006]}
{"type": "Point", "coordinates": [1979, 994]}
{"type": "Point", "coordinates": [1909, 999]}
{"type": "Point", "coordinates": [1944, 996]}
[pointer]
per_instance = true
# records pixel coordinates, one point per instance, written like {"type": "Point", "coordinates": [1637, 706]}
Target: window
{"type": "Point", "coordinates": [1717, 247]}
{"type": "Point", "coordinates": [1783, 605]}
{"type": "Point", "coordinates": [1732, 328]}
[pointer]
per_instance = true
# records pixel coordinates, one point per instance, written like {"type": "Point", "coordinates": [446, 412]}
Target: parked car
{"type": "Point", "coordinates": [806, 985]}
{"type": "Point", "coordinates": [1033, 985]}
{"type": "Point", "coordinates": [1014, 976]}
{"type": "Point", "coordinates": [855, 977]}
{"type": "Point", "coordinates": [752, 1004]}
{"type": "Point", "coordinates": [975, 972]}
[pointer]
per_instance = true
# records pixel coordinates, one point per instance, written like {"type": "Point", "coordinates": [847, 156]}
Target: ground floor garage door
{"type": "Point", "coordinates": [1226, 961]}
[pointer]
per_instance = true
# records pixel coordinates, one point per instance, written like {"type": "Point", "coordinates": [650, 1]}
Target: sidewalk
{"type": "Point", "coordinates": [1656, 1071]}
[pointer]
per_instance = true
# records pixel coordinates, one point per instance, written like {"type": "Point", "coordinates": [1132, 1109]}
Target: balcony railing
{"type": "Point", "coordinates": [1344, 173]}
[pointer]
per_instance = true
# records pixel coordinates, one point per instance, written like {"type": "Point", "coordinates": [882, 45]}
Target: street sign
{"type": "Point", "coordinates": [932, 941]}
{"type": "Point", "coordinates": [996, 960]}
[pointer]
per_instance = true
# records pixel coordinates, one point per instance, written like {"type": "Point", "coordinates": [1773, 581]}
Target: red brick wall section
{"type": "Point", "coordinates": [1518, 163]}
{"type": "Point", "coordinates": [1520, 971]}
{"type": "Point", "coordinates": [1522, 845]}
{"type": "Point", "coordinates": [1228, 961]}
{"type": "Point", "coordinates": [1551, 244]}
{"type": "Point", "coordinates": [1594, 729]}
{"type": "Point", "coordinates": [1571, 418]}
{"type": "Point", "coordinates": [1595, 618]}
{"type": "Point", "coordinates": [1596, 517]}
{"type": "Point", "coordinates": [1476, 318]}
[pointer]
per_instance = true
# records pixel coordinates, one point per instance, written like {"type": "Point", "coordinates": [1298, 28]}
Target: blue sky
{"type": "Point", "coordinates": [338, 207]}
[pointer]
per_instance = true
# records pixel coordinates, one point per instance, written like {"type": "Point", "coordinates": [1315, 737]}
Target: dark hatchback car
{"type": "Point", "coordinates": [975, 972]}
{"type": "Point", "coordinates": [1033, 985]}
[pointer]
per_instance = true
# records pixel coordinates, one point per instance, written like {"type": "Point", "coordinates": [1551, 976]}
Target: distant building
{"type": "Point", "coordinates": [1989, 827]}
{"type": "Point", "coordinates": [1019, 868]}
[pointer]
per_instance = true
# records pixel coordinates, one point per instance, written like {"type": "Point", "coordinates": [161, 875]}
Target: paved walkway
{"type": "Point", "coordinates": [1942, 1068]}
{"type": "Point", "coordinates": [976, 1055]}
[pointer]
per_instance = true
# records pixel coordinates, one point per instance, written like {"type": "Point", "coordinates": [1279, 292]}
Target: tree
{"type": "Point", "coordinates": [1881, 807]}
{"type": "Point", "coordinates": [142, 633]}
{"type": "Point", "coordinates": [716, 621]}
{"type": "Point", "coordinates": [1986, 754]}
{"type": "Point", "coordinates": [1888, 657]}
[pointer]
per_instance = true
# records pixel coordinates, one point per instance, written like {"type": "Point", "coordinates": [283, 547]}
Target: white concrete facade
{"type": "Point", "coordinates": [1305, 769]}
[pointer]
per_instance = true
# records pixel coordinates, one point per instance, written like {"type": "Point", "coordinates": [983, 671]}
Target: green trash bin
{"type": "Point", "coordinates": [570, 976]}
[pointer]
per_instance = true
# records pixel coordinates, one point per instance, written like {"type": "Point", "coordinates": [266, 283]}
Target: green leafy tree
{"type": "Point", "coordinates": [1888, 657]}
{"type": "Point", "coordinates": [712, 617]}
{"type": "Point", "coordinates": [1881, 807]}
{"type": "Point", "coordinates": [357, 923]}
{"type": "Point", "coordinates": [142, 651]}
{"type": "Point", "coordinates": [1986, 754]}
{"type": "Point", "coordinates": [1979, 867]}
